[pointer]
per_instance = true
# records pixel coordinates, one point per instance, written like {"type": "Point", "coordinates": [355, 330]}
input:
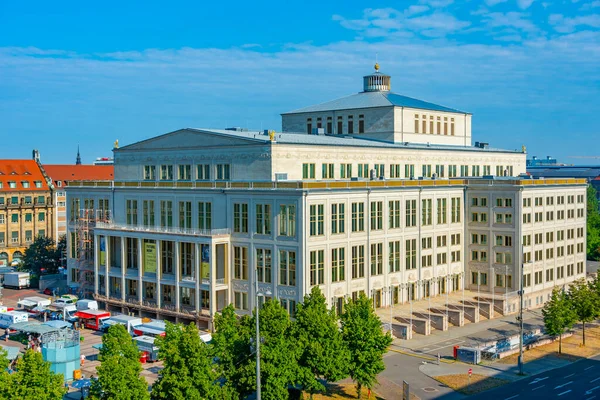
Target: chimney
{"type": "Point", "coordinates": [36, 155]}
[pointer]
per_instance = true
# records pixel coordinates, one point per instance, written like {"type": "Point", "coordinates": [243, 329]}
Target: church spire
{"type": "Point", "coordinates": [78, 160]}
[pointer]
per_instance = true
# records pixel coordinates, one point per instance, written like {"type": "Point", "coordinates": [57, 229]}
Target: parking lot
{"type": "Point", "coordinates": [11, 297]}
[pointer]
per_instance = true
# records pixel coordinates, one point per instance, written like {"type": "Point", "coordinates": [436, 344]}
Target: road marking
{"type": "Point", "coordinates": [512, 397]}
{"type": "Point", "coordinates": [594, 380]}
{"type": "Point", "coordinates": [563, 385]}
{"type": "Point", "coordinates": [568, 376]}
{"type": "Point", "coordinates": [591, 390]}
{"type": "Point", "coordinates": [536, 380]}
{"type": "Point", "coordinates": [568, 391]}
{"type": "Point", "coordinates": [585, 369]}
{"type": "Point", "coordinates": [539, 387]}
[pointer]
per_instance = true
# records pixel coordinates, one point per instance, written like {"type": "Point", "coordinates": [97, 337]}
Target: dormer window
{"type": "Point", "coordinates": [59, 183]}
{"type": "Point", "coordinates": [361, 123]}
{"type": "Point", "coordinates": [25, 184]}
{"type": "Point", "coordinates": [38, 184]}
{"type": "Point", "coordinates": [12, 184]}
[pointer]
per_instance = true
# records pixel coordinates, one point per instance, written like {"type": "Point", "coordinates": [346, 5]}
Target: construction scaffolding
{"type": "Point", "coordinates": [84, 239]}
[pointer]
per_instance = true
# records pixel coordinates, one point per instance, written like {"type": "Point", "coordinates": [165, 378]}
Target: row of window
{"type": "Point", "coordinates": [203, 172]}
{"type": "Point", "coordinates": [560, 200]}
{"type": "Point", "coordinates": [433, 125]}
{"type": "Point", "coordinates": [14, 236]}
{"type": "Point", "coordinates": [24, 184]}
{"type": "Point", "coordinates": [366, 170]}
{"type": "Point", "coordinates": [538, 238]}
{"type": "Point", "coordinates": [358, 266]}
{"type": "Point", "coordinates": [328, 126]}
{"type": "Point", "coordinates": [25, 200]}
{"type": "Point", "coordinates": [551, 215]}
{"type": "Point", "coordinates": [376, 213]}
{"type": "Point", "coordinates": [27, 217]}
{"type": "Point", "coordinates": [538, 255]}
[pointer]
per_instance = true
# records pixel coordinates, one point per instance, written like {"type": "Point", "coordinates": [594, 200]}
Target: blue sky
{"type": "Point", "coordinates": [80, 73]}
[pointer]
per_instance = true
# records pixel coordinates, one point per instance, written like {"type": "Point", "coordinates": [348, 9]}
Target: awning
{"type": "Point", "coordinates": [27, 303]}
{"type": "Point", "coordinates": [58, 324]}
{"type": "Point", "coordinates": [32, 327]}
{"type": "Point", "coordinates": [13, 352]}
{"type": "Point", "coordinates": [148, 330]}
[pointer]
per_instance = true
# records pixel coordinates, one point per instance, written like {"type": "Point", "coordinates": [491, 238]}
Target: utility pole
{"type": "Point", "coordinates": [257, 339]}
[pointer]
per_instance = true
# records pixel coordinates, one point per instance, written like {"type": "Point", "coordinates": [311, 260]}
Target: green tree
{"type": "Point", "coordinates": [42, 257]}
{"type": "Point", "coordinates": [593, 225]}
{"type": "Point", "coordinates": [584, 301]}
{"type": "Point", "coordinates": [323, 355]}
{"type": "Point", "coordinates": [188, 370]}
{"type": "Point", "coordinates": [32, 380]}
{"type": "Point", "coordinates": [364, 338]}
{"type": "Point", "coordinates": [558, 315]}
{"type": "Point", "coordinates": [231, 348]}
{"type": "Point", "coordinates": [119, 372]}
{"type": "Point", "coordinates": [6, 386]}
{"type": "Point", "coordinates": [278, 351]}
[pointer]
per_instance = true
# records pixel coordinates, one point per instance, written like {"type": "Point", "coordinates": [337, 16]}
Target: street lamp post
{"type": "Point", "coordinates": [257, 336]}
{"type": "Point", "coordinates": [521, 319]}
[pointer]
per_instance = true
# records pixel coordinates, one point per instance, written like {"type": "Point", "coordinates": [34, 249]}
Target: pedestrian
{"type": "Point", "coordinates": [82, 359]}
{"type": "Point", "coordinates": [6, 335]}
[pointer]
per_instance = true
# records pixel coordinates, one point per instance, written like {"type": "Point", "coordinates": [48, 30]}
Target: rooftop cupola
{"type": "Point", "coordinates": [377, 82]}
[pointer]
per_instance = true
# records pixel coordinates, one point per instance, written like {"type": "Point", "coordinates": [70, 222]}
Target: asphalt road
{"type": "Point", "coordinates": [580, 380]}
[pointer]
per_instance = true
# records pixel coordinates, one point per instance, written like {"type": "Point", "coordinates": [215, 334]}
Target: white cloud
{"type": "Point", "coordinates": [437, 3]}
{"type": "Point", "coordinates": [524, 4]}
{"type": "Point", "coordinates": [569, 24]}
{"type": "Point", "coordinates": [590, 5]}
{"type": "Point", "coordinates": [510, 19]}
{"type": "Point", "coordinates": [492, 3]}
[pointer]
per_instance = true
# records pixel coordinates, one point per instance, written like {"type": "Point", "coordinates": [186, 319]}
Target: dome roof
{"type": "Point", "coordinates": [377, 81]}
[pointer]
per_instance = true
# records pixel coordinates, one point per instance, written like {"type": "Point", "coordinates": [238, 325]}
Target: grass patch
{"type": "Point", "coordinates": [478, 383]}
{"type": "Point", "coordinates": [343, 391]}
{"type": "Point", "coordinates": [572, 348]}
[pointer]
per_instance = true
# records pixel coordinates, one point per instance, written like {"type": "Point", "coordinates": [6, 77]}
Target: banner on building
{"type": "Point", "coordinates": [149, 257]}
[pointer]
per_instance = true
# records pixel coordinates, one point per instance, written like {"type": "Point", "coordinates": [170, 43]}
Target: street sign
{"type": "Point", "coordinates": [470, 371]}
{"type": "Point", "coordinates": [405, 391]}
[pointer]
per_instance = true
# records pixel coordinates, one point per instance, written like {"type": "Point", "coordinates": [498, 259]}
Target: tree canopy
{"type": "Point", "coordinates": [559, 315]}
{"type": "Point", "coordinates": [43, 256]}
{"type": "Point", "coordinates": [119, 373]}
{"type": "Point", "coordinates": [188, 371]}
{"type": "Point", "coordinates": [323, 355]}
{"type": "Point", "coordinates": [365, 340]}
{"type": "Point", "coordinates": [585, 302]}
{"type": "Point", "coordinates": [593, 225]}
{"type": "Point", "coordinates": [32, 379]}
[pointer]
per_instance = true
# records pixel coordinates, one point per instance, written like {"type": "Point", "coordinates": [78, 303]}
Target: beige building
{"type": "Point", "coordinates": [390, 207]}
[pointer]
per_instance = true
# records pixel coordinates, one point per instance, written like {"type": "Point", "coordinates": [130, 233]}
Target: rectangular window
{"type": "Point", "coordinates": [28, 236]}
{"type": "Point", "coordinates": [361, 124]}
{"type": "Point", "coordinates": [340, 125]}
{"type": "Point", "coordinates": [345, 171]}
{"type": "Point", "coordinates": [338, 218]}
{"type": "Point", "coordinates": [395, 171]}
{"type": "Point", "coordinates": [166, 172]}
{"type": "Point", "coordinates": [263, 265]}
{"type": "Point", "coordinates": [185, 214]}
{"type": "Point", "coordinates": [379, 170]}
{"type": "Point", "coordinates": [317, 217]}
{"type": "Point", "coordinates": [426, 169]}
{"type": "Point", "coordinates": [204, 215]}
{"type": "Point", "coordinates": [327, 171]}
{"type": "Point", "coordinates": [376, 258]}
{"type": "Point", "coordinates": [377, 215]}
{"type": "Point", "coordinates": [148, 212]}
{"type": "Point", "coordinates": [131, 212]}
{"type": "Point", "coordinates": [203, 172]}
{"type": "Point", "coordinates": [411, 213]}
{"type": "Point", "coordinates": [317, 267]}
{"type": "Point", "coordinates": [185, 172]}
{"type": "Point", "coordinates": [14, 218]}
{"type": "Point", "coordinates": [394, 256]}
{"type": "Point", "coordinates": [442, 211]}
{"type": "Point", "coordinates": [358, 217]}
{"type": "Point", "coordinates": [308, 171]}
{"type": "Point", "coordinates": [338, 265]}
{"type": "Point", "coordinates": [240, 217]}
{"type": "Point", "coordinates": [149, 172]}
{"type": "Point", "coordinates": [287, 220]}
{"type": "Point", "coordinates": [394, 215]}
{"type": "Point", "coordinates": [166, 213]}
{"type": "Point", "coordinates": [409, 171]}
{"type": "Point", "coordinates": [28, 217]}
{"type": "Point", "coordinates": [455, 210]}
{"type": "Point", "coordinates": [287, 268]}
{"type": "Point", "coordinates": [263, 219]}
{"type": "Point", "coordinates": [411, 253]}
{"type": "Point", "coordinates": [329, 125]}
{"type": "Point", "coordinates": [240, 300]}
{"type": "Point", "coordinates": [426, 212]}
{"type": "Point", "coordinates": [240, 262]}
{"type": "Point", "coordinates": [358, 262]}
{"type": "Point", "coordinates": [350, 125]}
{"type": "Point", "coordinates": [223, 172]}
{"type": "Point", "coordinates": [363, 170]}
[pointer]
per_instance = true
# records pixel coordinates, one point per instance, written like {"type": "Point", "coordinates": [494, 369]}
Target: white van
{"type": "Point", "coordinates": [29, 303]}
{"type": "Point", "coordinates": [12, 317]}
{"type": "Point", "coordinates": [85, 304]}
{"type": "Point", "coordinates": [65, 311]}
{"type": "Point", "coordinates": [129, 322]}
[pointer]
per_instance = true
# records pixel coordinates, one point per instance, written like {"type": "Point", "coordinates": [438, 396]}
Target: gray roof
{"type": "Point", "coordinates": [570, 171]}
{"type": "Point", "coordinates": [373, 99]}
{"type": "Point", "coordinates": [340, 140]}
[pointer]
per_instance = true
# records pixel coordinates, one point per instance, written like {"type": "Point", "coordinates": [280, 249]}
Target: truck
{"type": "Point", "coordinates": [86, 304]}
{"type": "Point", "coordinates": [33, 303]}
{"type": "Point", "coordinates": [153, 329]}
{"type": "Point", "coordinates": [65, 312]}
{"type": "Point", "coordinates": [145, 345]}
{"type": "Point", "coordinates": [12, 317]}
{"type": "Point", "coordinates": [93, 319]}
{"type": "Point", "coordinates": [16, 280]}
{"type": "Point", "coordinates": [128, 321]}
